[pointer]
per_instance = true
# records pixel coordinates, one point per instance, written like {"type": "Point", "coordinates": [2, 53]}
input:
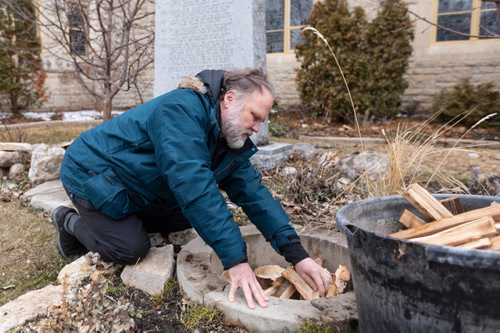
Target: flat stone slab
{"type": "Point", "coordinates": [443, 142]}
{"type": "Point", "coordinates": [15, 146]}
{"type": "Point", "coordinates": [48, 196]}
{"type": "Point", "coordinates": [152, 272]}
{"type": "Point", "coordinates": [198, 274]}
{"type": "Point", "coordinates": [28, 306]}
{"type": "Point", "coordinates": [271, 155]}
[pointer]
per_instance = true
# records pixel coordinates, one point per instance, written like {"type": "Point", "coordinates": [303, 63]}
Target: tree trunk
{"type": "Point", "coordinates": [107, 103]}
{"type": "Point", "coordinates": [107, 107]}
{"type": "Point", "coordinates": [498, 13]}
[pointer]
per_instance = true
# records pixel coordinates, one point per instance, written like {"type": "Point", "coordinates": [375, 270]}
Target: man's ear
{"type": "Point", "coordinates": [228, 98]}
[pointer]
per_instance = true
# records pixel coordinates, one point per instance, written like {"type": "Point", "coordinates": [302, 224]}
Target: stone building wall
{"type": "Point", "coordinates": [436, 66]}
{"type": "Point", "coordinates": [433, 66]}
{"type": "Point", "coordinates": [66, 94]}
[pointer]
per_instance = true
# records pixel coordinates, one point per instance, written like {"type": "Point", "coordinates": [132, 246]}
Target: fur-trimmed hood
{"type": "Point", "coordinates": [207, 81]}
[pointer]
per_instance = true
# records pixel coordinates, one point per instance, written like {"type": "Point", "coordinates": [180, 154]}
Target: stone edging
{"type": "Point", "coordinates": [197, 267]}
{"type": "Point", "coordinates": [442, 142]}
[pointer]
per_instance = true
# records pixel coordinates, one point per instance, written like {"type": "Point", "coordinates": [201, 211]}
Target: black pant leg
{"type": "Point", "coordinates": [164, 220]}
{"type": "Point", "coordinates": [122, 241]}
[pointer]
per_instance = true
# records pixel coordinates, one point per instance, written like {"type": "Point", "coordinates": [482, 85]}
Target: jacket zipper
{"type": "Point", "coordinates": [227, 166]}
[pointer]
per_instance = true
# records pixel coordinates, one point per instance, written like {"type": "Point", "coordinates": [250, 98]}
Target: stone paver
{"type": "Point", "coordinates": [151, 273]}
{"type": "Point", "coordinates": [28, 306]}
{"type": "Point", "coordinates": [48, 196]}
{"type": "Point", "coordinates": [271, 155]}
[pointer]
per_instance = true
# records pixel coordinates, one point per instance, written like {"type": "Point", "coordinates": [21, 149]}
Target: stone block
{"type": "Point", "coordinates": [29, 306]}
{"type": "Point", "coordinates": [45, 163]}
{"type": "Point", "coordinates": [9, 158]}
{"type": "Point", "coordinates": [16, 170]}
{"type": "Point", "coordinates": [47, 196]}
{"type": "Point", "coordinates": [271, 155]}
{"type": "Point", "coordinates": [182, 237]}
{"type": "Point", "coordinates": [152, 272]}
{"type": "Point", "coordinates": [74, 272]}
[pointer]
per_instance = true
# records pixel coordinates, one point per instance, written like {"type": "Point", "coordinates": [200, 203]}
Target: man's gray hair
{"type": "Point", "coordinates": [246, 81]}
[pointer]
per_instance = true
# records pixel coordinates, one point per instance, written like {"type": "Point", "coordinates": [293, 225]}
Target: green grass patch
{"type": "Point", "coordinates": [196, 315]}
{"type": "Point", "coordinates": [310, 327]}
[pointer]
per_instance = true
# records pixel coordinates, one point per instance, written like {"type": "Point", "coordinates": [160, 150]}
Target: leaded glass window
{"type": "Point", "coordinates": [284, 21]}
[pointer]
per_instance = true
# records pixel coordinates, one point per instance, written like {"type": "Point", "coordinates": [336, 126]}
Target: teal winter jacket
{"type": "Point", "coordinates": [162, 152]}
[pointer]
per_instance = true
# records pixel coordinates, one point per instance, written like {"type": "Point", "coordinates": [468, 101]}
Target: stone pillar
{"type": "Point", "coordinates": [219, 34]}
{"type": "Point", "coordinates": [191, 36]}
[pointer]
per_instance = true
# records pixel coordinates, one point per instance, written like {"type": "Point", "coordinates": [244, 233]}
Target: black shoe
{"type": "Point", "coordinates": [67, 244]}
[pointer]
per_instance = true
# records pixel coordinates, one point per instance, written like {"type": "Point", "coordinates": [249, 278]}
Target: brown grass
{"type": "Point", "coordinates": [29, 258]}
{"type": "Point", "coordinates": [44, 133]}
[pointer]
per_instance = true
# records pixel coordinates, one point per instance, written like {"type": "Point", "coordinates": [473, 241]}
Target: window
{"type": "Point", "coordinates": [469, 20]}
{"type": "Point", "coordinates": [284, 21]}
{"type": "Point", "coordinates": [76, 24]}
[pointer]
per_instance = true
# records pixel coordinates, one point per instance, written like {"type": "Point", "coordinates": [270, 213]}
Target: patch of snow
{"type": "Point", "coordinates": [66, 115]}
{"type": "Point", "coordinates": [38, 115]}
{"type": "Point", "coordinates": [82, 115]}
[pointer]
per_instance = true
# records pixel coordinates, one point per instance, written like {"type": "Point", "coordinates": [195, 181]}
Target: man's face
{"type": "Point", "coordinates": [241, 116]}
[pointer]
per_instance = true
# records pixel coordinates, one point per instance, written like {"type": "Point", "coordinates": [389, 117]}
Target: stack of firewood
{"type": "Point", "coordinates": [286, 283]}
{"type": "Point", "coordinates": [451, 225]}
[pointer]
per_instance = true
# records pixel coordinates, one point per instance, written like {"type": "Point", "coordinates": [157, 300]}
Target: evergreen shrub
{"type": "Point", "coordinates": [373, 55]}
{"type": "Point", "coordinates": [482, 99]}
{"type": "Point", "coordinates": [22, 76]}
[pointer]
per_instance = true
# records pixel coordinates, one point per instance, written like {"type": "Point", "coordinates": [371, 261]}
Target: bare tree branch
{"type": "Point", "coordinates": [109, 42]}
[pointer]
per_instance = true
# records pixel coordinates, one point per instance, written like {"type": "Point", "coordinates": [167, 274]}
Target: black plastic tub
{"type": "Point", "coordinates": [404, 286]}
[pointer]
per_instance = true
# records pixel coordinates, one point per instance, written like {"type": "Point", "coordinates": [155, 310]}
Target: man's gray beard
{"type": "Point", "coordinates": [234, 134]}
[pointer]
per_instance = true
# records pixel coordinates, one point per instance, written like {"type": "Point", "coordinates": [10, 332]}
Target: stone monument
{"type": "Point", "coordinates": [192, 35]}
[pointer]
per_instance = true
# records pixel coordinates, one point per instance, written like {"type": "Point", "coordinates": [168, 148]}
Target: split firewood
{"type": "Point", "coordinates": [302, 287]}
{"type": "Point", "coordinates": [225, 276]}
{"type": "Point", "coordinates": [464, 233]}
{"type": "Point", "coordinates": [288, 291]}
{"type": "Point", "coordinates": [453, 204]}
{"type": "Point", "coordinates": [410, 220]}
{"type": "Point", "coordinates": [478, 244]}
{"type": "Point", "coordinates": [319, 261]}
{"type": "Point", "coordinates": [426, 204]}
{"type": "Point", "coordinates": [342, 278]}
{"type": "Point", "coordinates": [272, 290]}
{"type": "Point", "coordinates": [340, 282]}
{"type": "Point", "coordinates": [446, 223]}
{"type": "Point", "coordinates": [279, 281]}
{"type": "Point", "coordinates": [495, 243]}
{"type": "Point", "coordinates": [332, 289]}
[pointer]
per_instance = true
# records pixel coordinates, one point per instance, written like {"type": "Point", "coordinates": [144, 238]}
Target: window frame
{"type": "Point", "coordinates": [474, 24]}
{"type": "Point", "coordinates": [82, 28]}
{"type": "Point", "coordinates": [287, 29]}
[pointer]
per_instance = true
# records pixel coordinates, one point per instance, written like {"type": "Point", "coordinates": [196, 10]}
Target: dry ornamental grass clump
{"type": "Point", "coordinates": [86, 306]}
{"type": "Point", "coordinates": [315, 192]}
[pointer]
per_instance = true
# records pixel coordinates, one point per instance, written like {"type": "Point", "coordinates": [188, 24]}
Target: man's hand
{"type": "Point", "coordinates": [243, 277]}
{"type": "Point", "coordinates": [316, 276]}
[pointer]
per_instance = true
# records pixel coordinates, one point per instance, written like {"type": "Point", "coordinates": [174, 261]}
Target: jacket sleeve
{"type": "Point", "coordinates": [244, 187]}
{"type": "Point", "coordinates": [178, 130]}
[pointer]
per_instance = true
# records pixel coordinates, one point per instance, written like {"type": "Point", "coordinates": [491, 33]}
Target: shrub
{"type": "Point", "coordinates": [373, 56]}
{"type": "Point", "coordinates": [22, 76]}
{"type": "Point", "coordinates": [481, 100]}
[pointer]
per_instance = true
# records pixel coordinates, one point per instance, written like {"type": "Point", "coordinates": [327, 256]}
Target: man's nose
{"type": "Point", "coordinates": [255, 127]}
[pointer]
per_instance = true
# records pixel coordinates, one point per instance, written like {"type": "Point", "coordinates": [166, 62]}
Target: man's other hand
{"type": "Point", "coordinates": [317, 277]}
{"type": "Point", "coordinates": [243, 277]}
